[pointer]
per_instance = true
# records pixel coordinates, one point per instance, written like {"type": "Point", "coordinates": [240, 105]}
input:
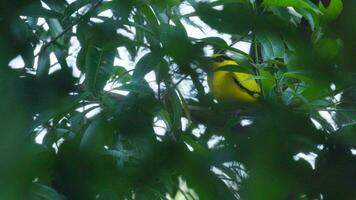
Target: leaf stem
{"type": "Point", "coordinates": [257, 61]}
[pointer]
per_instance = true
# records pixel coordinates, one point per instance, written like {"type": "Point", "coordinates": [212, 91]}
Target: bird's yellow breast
{"type": "Point", "coordinates": [233, 86]}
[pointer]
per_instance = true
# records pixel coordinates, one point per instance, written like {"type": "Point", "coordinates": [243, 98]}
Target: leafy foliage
{"type": "Point", "coordinates": [81, 118]}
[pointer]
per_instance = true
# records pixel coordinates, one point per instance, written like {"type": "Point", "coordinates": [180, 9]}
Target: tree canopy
{"type": "Point", "coordinates": [108, 99]}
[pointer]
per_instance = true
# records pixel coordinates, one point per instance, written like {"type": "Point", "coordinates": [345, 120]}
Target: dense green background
{"type": "Point", "coordinates": [305, 63]}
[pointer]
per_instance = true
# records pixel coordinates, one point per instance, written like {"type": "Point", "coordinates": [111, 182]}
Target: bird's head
{"type": "Point", "coordinates": [220, 60]}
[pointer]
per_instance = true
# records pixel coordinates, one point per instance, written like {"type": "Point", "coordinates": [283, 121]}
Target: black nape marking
{"type": "Point", "coordinates": [221, 58]}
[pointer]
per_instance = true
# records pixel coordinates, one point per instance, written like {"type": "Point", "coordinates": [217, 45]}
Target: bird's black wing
{"type": "Point", "coordinates": [250, 92]}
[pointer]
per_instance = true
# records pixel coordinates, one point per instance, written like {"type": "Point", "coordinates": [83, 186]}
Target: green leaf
{"type": "Point", "coordinates": [99, 65]}
{"type": "Point", "coordinates": [108, 194]}
{"type": "Point", "coordinates": [146, 64]}
{"type": "Point", "coordinates": [93, 138]}
{"type": "Point", "coordinates": [282, 12]}
{"type": "Point", "coordinates": [36, 10]}
{"type": "Point", "coordinates": [68, 105]}
{"type": "Point", "coordinates": [272, 45]}
{"type": "Point", "coordinates": [185, 108]}
{"type": "Point", "coordinates": [289, 93]}
{"type": "Point", "coordinates": [81, 58]}
{"type": "Point", "coordinates": [93, 61]}
{"type": "Point", "coordinates": [165, 4]}
{"type": "Point", "coordinates": [45, 192]}
{"type": "Point", "coordinates": [43, 62]}
{"type": "Point", "coordinates": [215, 41]}
{"type": "Point", "coordinates": [57, 5]}
{"type": "Point", "coordinates": [312, 18]}
{"type": "Point", "coordinates": [61, 56]}
{"type": "Point", "coordinates": [55, 28]}
{"type": "Point", "coordinates": [300, 75]}
{"type": "Point", "coordinates": [174, 107]}
{"type": "Point", "coordinates": [220, 43]}
{"type": "Point", "coordinates": [226, 20]}
{"type": "Point", "coordinates": [74, 6]}
{"type": "Point", "coordinates": [198, 148]}
{"type": "Point", "coordinates": [162, 70]}
{"type": "Point", "coordinates": [268, 82]}
{"type": "Point", "coordinates": [295, 3]}
{"type": "Point", "coordinates": [123, 8]}
{"type": "Point", "coordinates": [137, 87]}
{"type": "Point", "coordinates": [121, 74]}
{"type": "Point", "coordinates": [84, 33]}
{"type": "Point", "coordinates": [254, 78]}
{"type": "Point", "coordinates": [150, 15]}
{"type": "Point", "coordinates": [332, 11]}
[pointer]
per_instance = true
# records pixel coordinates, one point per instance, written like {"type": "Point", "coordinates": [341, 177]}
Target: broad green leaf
{"type": "Point", "coordinates": [272, 45]}
{"type": "Point", "coordinates": [268, 82]}
{"type": "Point", "coordinates": [123, 8]}
{"type": "Point", "coordinates": [198, 148]}
{"type": "Point", "coordinates": [227, 19]}
{"type": "Point", "coordinates": [84, 33]}
{"type": "Point", "coordinates": [61, 57]}
{"type": "Point", "coordinates": [255, 78]}
{"type": "Point", "coordinates": [312, 18]}
{"type": "Point", "coordinates": [108, 194]}
{"type": "Point", "coordinates": [289, 94]}
{"type": "Point", "coordinates": [74, 6]}
{"type": "Point", "coordinates": [221, 44]}
{"type": "Point", "coordinates": [165, 4]}
{"type": "Point", "coordinates": [137, 87]}
{"type": "Point", "coordinates": [150, 62]}
{"type": "Point", "coordinates": [99, 65]}
{"type": "Point", "coordinates": [57, 5]}
{"type": "Point", "coordinates": [282, 12]}
{"type": "Point", "coordinates": [300, 75]}
{"type": "Point", "coordinates": [93, 138]}
{"type": "Point", "coordinates": [36, 10]}
{"type": "Point", "coordinates": [81, 58]}
{"type": "Point", "coordinates": [185, 108]}
{"type": "Point", "coordinates": [43, 62]}
{"type": "Point", "coordinates": [215, 41]}
{"type": "Point", "coordinates": [106, 6]}
{"type": "Point", "coordinates": [121, 74]}
{"type": "Point", "coordinates": [150, 15]}
{"type": "Point", "coordinates": [45, 192]}
{"type": "Point", "coordinates": [140, 34]}
{"type": "Point", "coordinates": [103, 35]}
{"type": "Point", "coordinates": [174, 107]}
{"type": "Point", "coordinates": [55, 28]}
{"type": "Point", "coordinates": [93, 62]}
{"type": "Point", "coordinates": [68, 105]}
{"type": "Point", "coordinates": [295, 3]}
{"type": "Point", "coordinates": [222, 2]}
{"type": "Point", "coordinates": [162, 70]}
{"type": "Point", "coordinates": [328, 47]}
{"type": "Point", "coordinates": [332, 11]}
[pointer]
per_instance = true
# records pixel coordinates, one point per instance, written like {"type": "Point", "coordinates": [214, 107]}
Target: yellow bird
{"type": "Point", "coordinates": [232, 87]}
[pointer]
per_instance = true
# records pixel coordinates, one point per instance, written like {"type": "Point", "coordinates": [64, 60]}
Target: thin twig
{"type": "Point", "coordinates": [238, 40]}
{"type": "Point", "coordinates": [234, 42]}
{"type": "Point", "coordinates": [182, 79]}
